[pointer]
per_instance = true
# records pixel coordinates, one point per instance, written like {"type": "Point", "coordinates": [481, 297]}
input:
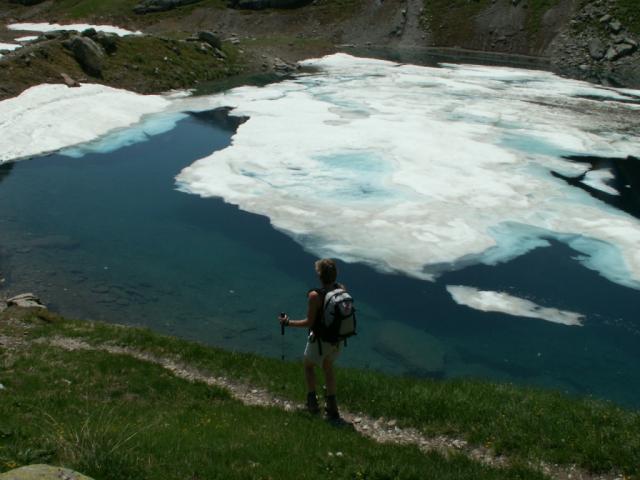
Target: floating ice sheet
{"type": "Point", "coordinates": [501, 302]}
{"type": "Point", "coordinates": [78, 27]}
{"type": "Point", "coordinates": [419, 170]}
{"type": "Point", "coordinates": [47, 118]}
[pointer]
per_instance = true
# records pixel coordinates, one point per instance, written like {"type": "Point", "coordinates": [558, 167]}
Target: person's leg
{"type": "Point", "coordinates": [310, 378]}
{"type": "Point", "coordinates": [330, 382]}
{"type": "Point", "coordinates": [310, 375]}
{"type": "Point", "coordinates": [329, 376]}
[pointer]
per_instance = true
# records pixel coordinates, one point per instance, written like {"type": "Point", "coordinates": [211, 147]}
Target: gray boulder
{"type": "Point", "coordinates": [615, 26]}
{"type": "Point", "coordinates": [210, 38]}
{"type": "Point", "coordinates": [68, 81]}
{"type": "Point", "coordinates": [153, 6]}
{"type": "Point", "coordinates": [618, 51]}
{"type": "Point", "coordinates": [88, 54]}
{"type": "Point", "coordinates": [262, 4]}
{"type": "Point", "coordinates": [26, 2]}
{"type": "Point", "coordinates": [25, 300]}
{"type": "Point", "coordinates": [89, 32]}
{"type": "Point", "coordinates": [42, 472]}
{"type": "Point", "coordinates": [108, 41]}
{"type": "Point", "coordinates": [56, 34]}
{"type": "Point", "coordinates": [625, 49]}
{"type": "Point", "coordinates": [597, 49]}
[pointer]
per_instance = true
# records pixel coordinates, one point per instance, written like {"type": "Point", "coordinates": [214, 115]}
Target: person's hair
{"type": "Point", "coordinates": [327, 270]}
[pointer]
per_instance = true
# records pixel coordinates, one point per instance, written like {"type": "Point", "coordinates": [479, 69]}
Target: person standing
{"type": "Point", "coordinates": [319, 353]}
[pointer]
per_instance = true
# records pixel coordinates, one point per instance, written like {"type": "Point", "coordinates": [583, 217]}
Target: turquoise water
{"type": "Point", "coordinates": [106, 236]}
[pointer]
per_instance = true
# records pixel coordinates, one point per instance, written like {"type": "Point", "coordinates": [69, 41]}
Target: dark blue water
{"type": "Point", "coordinates": [107, 237]}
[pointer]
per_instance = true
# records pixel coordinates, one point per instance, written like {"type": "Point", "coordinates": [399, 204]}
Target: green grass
{"type": "Point", "coordinates": [524, 423]}
{"type": "Point", "coordinates": [115, 418]}
{"type": "Point", "coordinates": [628, 12]}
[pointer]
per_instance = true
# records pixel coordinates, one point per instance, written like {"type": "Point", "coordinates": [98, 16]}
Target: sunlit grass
{"type": "Point", "coordinates": [526, 423]}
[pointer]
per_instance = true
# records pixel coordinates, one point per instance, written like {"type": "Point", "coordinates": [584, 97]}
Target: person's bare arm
{"type": "Point", "coordinates": [312, 310]}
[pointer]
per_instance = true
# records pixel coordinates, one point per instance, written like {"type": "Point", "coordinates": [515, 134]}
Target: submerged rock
{"type": "Point", "coordinates": [42, 472]}
{"type": "Point", "coordinates": [415, 349]}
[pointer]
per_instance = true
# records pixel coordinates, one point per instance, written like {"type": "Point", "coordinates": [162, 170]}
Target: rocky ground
{"type": "Point", "coordinates": [188, 42]}
{"type": "Point", "coordinates": [598, 46]}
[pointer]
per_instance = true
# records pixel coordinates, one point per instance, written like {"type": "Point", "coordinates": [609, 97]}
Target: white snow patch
{"type": "Point", "coordinates": [419, 170]}
{"type": "Point", "coordinates": [47, 118]}
{"type": "Point", "coordinates": [78, 27]}
{"type": "Point", "coordinates": [9, 47]}
{"type": "Point", "coordinates": [28, 38]}
{"type": "Point", "coordinates": [501, 302]}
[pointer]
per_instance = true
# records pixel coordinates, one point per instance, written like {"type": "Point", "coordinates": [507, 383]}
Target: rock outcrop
{"type": "Point", "coordinates": [210, 38]}
{"type": "Point", "coordinates": [25, 300]}
{"type": "Point", "coordinates": [87, 53]}
{"type": "Point", "coordinates": [153, 6]}
{"type": "Point", "coordinates": [598, 47]}
{"type": "Point", "coordinates": [42, 472]}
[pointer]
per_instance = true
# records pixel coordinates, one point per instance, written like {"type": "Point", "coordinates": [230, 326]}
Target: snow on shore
{"type": "Point", "coordinates": [78, 27]}
{"type": "Point", "coordinates": [8, 47]}
{"type": "Point", "coordinates": [47, 117]}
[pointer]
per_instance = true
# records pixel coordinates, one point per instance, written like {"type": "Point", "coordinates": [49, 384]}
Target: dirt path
{"type": "Point", "coordinates": [381, 430]}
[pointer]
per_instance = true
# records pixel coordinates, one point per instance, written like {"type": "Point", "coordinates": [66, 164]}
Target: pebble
{"type": "Point", "coordinates": [2, 387]}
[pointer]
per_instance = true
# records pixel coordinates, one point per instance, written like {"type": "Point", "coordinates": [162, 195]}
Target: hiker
{"type": "Point", "coordinates": [320, 353]}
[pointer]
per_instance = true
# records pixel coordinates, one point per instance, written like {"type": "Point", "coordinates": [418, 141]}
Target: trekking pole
{"type": "Point", "coordinates": [282, 315]}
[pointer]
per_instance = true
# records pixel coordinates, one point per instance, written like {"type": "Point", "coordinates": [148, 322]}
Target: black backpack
{"type": "Point", "coordinates": [337, 320]}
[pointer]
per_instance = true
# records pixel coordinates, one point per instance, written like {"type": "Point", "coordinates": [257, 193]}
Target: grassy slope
{"type": "Point", "coordinates": [527, 424]}
{"type": "Point", "coordinates": [628, 11]}
{"type": "Point", "coordinates": [143, 64]}
{"type": "Point", "coordinates": [114, 417]}
{"type": "Point", "coordinates": [452, 21]}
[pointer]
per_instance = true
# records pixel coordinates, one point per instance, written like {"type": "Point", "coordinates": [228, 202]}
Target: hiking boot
{"type": "Point", "coordinates": [331, 409]}
{"type": "Point", "coordinates": [312, 403]}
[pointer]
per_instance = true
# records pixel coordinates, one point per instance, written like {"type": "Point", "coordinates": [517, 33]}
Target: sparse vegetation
{"type": "Point", "coordinates": [628, 11]}
{"type": "Point", "coordinates": [453, 22]}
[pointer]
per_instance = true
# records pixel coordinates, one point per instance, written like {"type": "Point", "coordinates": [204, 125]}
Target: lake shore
{"type": "Point", "coordinates": [172, 54]}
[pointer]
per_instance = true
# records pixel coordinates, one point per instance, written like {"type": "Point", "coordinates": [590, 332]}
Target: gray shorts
{"type": "Point", "coordinates": [329, 351]}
